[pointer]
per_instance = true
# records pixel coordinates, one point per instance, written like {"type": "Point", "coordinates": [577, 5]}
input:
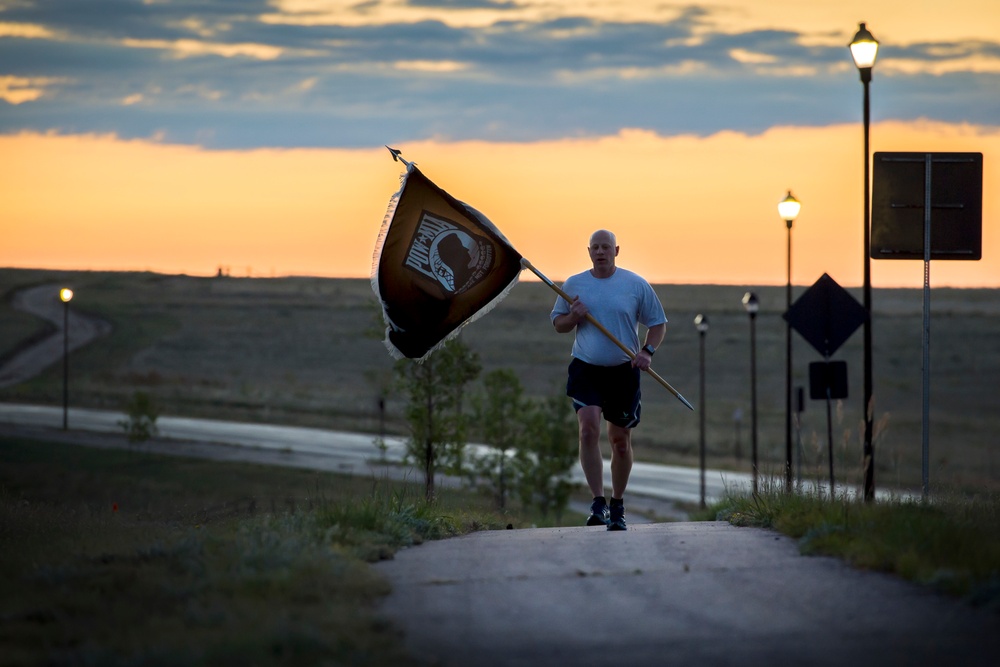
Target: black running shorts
{"type": "Point", "coordinates": [614, 388]}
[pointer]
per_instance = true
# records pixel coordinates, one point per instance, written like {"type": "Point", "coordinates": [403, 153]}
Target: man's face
{"type": "Point", "coordinates": [603, 251]}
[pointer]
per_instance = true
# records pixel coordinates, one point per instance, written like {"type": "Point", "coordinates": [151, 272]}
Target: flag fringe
{"type": "Point", "coordinates": [384, 230]}
{"type": "Point", "coordinates": [377, 256]}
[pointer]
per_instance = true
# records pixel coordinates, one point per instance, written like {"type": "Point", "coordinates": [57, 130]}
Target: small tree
{"type": "Point", "coordinates": [434, 410]}
{"type": "Point", "coordinates": [500, 413]}
{"type": "Point", "coordinates": [141, 413]}
{"type": "Point", "coordinates": [545, 460]}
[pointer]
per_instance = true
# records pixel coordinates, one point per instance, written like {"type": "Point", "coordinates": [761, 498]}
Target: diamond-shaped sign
{"type": "Point", "coordinates": [826, 315]}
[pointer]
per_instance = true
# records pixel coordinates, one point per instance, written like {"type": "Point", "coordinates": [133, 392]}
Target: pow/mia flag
{"type": "Point", "coordinates": [438, 265]}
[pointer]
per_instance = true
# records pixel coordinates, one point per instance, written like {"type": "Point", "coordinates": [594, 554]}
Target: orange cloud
{"type": "Point", "coordinates": [24, 30]}
{"type": "Point", "coordinates": [185, 48]}
{"type": "Point", "coordinates": [19, 89]}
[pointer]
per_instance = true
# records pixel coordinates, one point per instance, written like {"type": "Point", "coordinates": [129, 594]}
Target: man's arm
{"type": "Point", "coordinates": [568, 321]}
{"type": "Point", "coordinates": [654, 336]}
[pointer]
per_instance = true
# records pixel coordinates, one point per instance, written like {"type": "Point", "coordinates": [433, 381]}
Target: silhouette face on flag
{"type": "Point", "coordinates": [439, 265]}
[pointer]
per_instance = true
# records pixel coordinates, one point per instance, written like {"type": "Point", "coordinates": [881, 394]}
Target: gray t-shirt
{"type": "Point", "coordinates": [619, 303]}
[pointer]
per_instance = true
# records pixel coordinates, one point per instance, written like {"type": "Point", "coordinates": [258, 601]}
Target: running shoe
{"type": "Point", "coordinates": [599, 513]}
{"type": "Point", "coordinates": [617, 518]}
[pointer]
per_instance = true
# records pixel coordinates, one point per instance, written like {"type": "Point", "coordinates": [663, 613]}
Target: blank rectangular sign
{"type": "Point", "coordinates": [898, 205]}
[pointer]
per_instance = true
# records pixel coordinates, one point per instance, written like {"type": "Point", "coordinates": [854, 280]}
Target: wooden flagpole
{"type": "Point", "coordinates": [590, 318]}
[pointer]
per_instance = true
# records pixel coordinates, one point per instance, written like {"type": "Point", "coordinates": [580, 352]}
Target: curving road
{"type": "Point", "coordinates": [340, 451]}
{"type": "Point", "coordinates": [43, 301]}
{"type": "Point", "coordinates": [652, 487]}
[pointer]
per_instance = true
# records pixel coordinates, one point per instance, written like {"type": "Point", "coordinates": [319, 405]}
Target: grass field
{"type": "Point", "coordinates": [117, 557]}
{"type": "Point", "coordinates": [295, 351]}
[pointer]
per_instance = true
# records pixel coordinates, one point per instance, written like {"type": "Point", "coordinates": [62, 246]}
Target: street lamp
{"type": "Point", "coordinates": [65, 295]}
{"type": "Point", "coordinates": [864, 49]}
{"type": "Point", "coordinates": [788, 209]}
{"type": "Point", "coordinates": [701, 323]}
{"type": "Point", "coordinates": [751, 305]}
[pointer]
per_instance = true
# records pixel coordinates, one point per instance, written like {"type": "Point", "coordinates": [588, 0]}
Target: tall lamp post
{"type": "Point", "coordinates": [864, 49]}
{"type": "Point", "coordinates": [788, 209]}
{"type": "Point", "coordinates": [751, 305]}
{"type": "Point", "coordinates": [65, 295]}
{"type": "Point", "coordinates": [701, 323]}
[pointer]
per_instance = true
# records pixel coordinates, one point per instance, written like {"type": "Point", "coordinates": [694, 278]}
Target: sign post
{"type": "Point", "coordinates": [908, 187]}
{"type": "Point", "coordinates": [826, 315]}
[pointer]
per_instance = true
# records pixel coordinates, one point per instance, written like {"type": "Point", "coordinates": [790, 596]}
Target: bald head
{"type": "Point", "coordinates": [603, 249]}
{"type": "Point", "coordinates": [604, 235]}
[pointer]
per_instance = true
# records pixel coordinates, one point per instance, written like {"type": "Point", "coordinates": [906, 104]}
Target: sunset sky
{"type": "Point", "coordinates": [184, 136]}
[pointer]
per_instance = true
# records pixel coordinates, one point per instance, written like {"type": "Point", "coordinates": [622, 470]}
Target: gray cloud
{"type": "Point", "coordinates": [129, 18]}
{"type": "Point", "coordinates": [941, 52]}
{"type": "Point", "coordinates": [464, 4]}
{"type": "Point", "coordinates": [337, 85]}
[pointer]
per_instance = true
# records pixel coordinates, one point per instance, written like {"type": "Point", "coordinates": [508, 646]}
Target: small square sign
{"type": "Point", "coordinates": [825, 375]}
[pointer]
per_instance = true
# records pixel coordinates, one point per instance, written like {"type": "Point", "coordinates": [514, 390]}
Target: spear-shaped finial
{"type": "Point", "coordinates": [395, 152]}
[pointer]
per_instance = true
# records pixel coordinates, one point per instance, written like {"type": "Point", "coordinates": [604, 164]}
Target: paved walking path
{"type": "Point", "coordinates": [701, 594]}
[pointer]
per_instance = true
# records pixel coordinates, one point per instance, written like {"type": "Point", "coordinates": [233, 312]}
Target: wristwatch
{"type": "Point", "coordinates": [649, 348]}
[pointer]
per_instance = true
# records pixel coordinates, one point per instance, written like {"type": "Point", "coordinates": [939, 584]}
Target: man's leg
{"type": "Point", "coordinates": [621, 459]}
{"type": "Point", "coordinates": [621, 468]}
{"type": "Point", "coordinates": [590, 448]}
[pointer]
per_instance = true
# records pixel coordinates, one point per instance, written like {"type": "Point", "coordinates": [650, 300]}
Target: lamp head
{"type": "Point", "coordinates": [750, 303]}
{"type": "Point", "coordinates": [864, 48]}
{"type": "Point", "coordinates": [788, 208]}
{"type": "Point", "coordinates": [701, 323]}
{"type": "Point", "coordinates": [65, 295]}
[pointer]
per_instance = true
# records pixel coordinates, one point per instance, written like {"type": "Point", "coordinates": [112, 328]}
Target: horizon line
{"type": "Point", "coordinates": [525, 277]}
